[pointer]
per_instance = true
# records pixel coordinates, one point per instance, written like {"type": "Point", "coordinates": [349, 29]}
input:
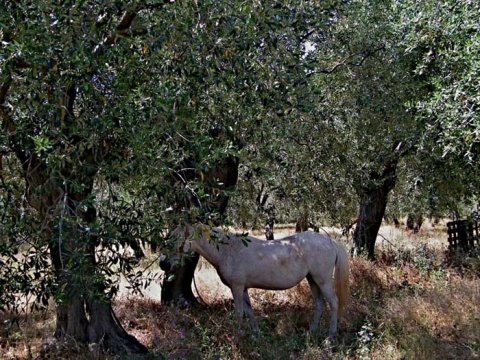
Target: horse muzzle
{"type": "Point", "coordinates": [169, 263]}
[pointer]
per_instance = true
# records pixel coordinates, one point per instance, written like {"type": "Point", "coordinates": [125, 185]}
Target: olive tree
{"type": "Point", "coordinates": [393, 85]}
{"type": "Point", "coordinates": [383, 114]}
{"type": "Point", "coordinates": [67, 96]}
{"type": "Point", "coordinates": [445, 35]}
{"type": "Point", "coordinates": [142, 107]}
{"type": "Point", "coordinates": [241, 85]}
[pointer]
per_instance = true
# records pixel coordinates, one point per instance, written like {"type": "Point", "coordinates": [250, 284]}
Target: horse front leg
{"type": "Point", "coordinates": [237, 293]}
{"type": "Point", "coordinates": [248, 309]}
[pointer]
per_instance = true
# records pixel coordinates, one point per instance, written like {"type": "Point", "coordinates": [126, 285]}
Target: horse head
{"type": "Point", "coordinates": [178, 247]}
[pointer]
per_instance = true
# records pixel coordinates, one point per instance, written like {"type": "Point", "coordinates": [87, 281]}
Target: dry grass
{"type": "Point", "coordinates": [23, 335]}
{"type": "Point", "coordinates": [414, 302]}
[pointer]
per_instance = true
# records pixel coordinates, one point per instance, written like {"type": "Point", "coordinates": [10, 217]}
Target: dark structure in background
{"type": "Point", "coordinates": [463, 234]}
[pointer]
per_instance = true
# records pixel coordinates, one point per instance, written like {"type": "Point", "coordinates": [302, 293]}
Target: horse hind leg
{"type": "Point", "coordinates": [328, 291]}
{"type": "Point", "coordinates": [319, 303]}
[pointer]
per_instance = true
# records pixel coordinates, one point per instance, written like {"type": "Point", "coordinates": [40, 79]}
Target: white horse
{"type": "Point", "coordinates": [244, 262]}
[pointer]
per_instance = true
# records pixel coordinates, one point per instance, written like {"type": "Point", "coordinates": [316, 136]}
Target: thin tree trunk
{"type": "Point", "coordinates": [269, 235]}
{"type": "Point", "coordinates": [369, 222]}
{"type": "Point", "coordinates": [302, 222]}
{"type": "Point", "coordinates": [372, 209]}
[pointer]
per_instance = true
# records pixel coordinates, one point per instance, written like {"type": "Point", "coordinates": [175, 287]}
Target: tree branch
{"type": "Point", "coordinates": [126, 21]}
{"type": "Point", "coordinates": [22, 155]}
{"type": "Point", "coordinates": [3, 96]}
{"type": "Point", "coordinates": [123, 28]}
{"type": "Point", "coordinates": [4, 89]}
{"type": "Point", "coordinates": [345, 62]}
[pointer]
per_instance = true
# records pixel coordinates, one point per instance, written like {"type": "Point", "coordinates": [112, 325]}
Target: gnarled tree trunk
{"type": "Point", "coordinates": [84, 313]}
{"type": "Point", "coordinates": [177, 284]}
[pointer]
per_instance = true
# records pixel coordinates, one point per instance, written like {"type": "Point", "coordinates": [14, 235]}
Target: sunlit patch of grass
{"type": "Point", "coordinates": [23, 335]}
{"type": "Point", "coordinates": [439, 322]}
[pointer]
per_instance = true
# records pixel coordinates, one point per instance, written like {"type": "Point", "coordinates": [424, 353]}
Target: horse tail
{"type": "Point", "coordinates": [342, 271]}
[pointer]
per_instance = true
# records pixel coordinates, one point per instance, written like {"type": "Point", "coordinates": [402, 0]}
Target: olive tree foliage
{"type": "Point", "coordinates": [70, 75]}
{"type": "Point", "coordinates": [294, 176]}
{"type": "Point", "coordinates": [283, 174]}
{"type": "Point", "coordinates": [244, 90]}
{"type": "Point", "coordinates": [367, 96]}
{"type": "Point", "coordinates": [247, 87]}
{"type": "Point", "coordinates": [446, 36]}
{"type": "Point", "coordinates": [112, 114]}
{"type": "Point", "coordinates": [358, 121]}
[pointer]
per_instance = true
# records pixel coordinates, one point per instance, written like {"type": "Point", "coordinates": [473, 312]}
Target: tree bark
{"type": "Point", "coordinates": [269, 235]}
{"type": "Point", "coordinates": [373, 203]}
{"type": "Point", "coordinates": [72, 322]}
{"type": "Point", "coordinates": [86, 314]}
{"type": "Point", "coordinates": [414, 222]}
{"type": "Point", "coordinates": [177, 284]}
{"type": "Point", "coordinates": [105, 329]}
{"type": "Point", "coordinates": [302, 222]}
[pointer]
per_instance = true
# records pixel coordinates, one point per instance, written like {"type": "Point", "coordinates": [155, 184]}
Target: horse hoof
{"type": "Point", "coordinates": [328, 342]}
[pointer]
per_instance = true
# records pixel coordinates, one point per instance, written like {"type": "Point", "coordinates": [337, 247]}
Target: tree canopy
{"type": "Point", "coordinates": [117, 118]}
